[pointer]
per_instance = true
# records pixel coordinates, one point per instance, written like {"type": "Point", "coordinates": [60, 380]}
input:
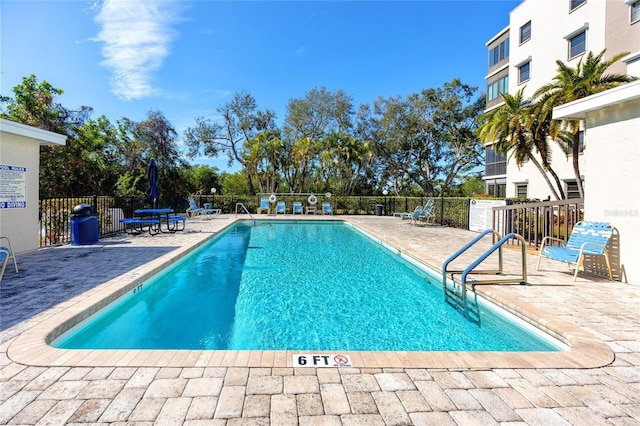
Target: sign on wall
{"type": "Point", "coordinates": [13, 187]}
{"type": "Point", "coordinates": [481, 215]}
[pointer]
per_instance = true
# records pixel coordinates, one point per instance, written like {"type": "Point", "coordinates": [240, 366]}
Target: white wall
{"type": "Point", "coordinates": [551, 21]}
{"type": "Point", "coordinates": [20, 146]}
{"type": "Point", "coordinates": [613, 193]}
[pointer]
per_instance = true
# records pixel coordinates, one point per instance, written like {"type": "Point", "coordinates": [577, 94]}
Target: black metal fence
{"type": "Point", "coordinates": [533, 221]}
{"type": "Point", "coordinates": [56, 213]}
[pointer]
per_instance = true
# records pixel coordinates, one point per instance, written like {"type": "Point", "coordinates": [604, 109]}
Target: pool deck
{"type": "Point", "coordinates": [596, 381]}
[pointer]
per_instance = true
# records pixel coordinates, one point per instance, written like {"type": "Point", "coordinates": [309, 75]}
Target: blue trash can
{"type": "Point", "coordinates": [84, 225]}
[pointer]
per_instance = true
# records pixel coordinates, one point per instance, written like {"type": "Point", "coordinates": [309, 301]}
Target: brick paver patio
{"type": "Point", "coordinates": [597, 383]}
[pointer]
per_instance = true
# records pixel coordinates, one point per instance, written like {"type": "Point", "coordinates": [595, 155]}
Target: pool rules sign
{"type": "Point", "coordinates": [321, 360]}
{"type": "Point", "coordinates": [13, 187]}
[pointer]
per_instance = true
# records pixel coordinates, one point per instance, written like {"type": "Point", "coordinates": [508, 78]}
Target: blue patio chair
{"type": "Point", "coordinates": [280, 207]}
{"type": "Point", "coordinates": [197, 211]}
{"type": "Point", "coordinates": [426, 215]}
{"type": "Point", "coordinates": [297, 207]}
{"type": "Point", "coordinates": [264, 204]}
{"type": "Point", "coordinates": [6, 253]}
{"type": "Point", "coordinates": [587, 238]}
{"type": "Point", "coordinates": [326, 208]}
{"type": "Point", "coordinates": [407, 215]}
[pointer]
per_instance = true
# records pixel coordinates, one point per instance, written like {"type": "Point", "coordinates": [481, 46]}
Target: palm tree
{"type": "Point", "coordinates": [507, 127]}
{"type": "Point", "coordinates": [538, 125]}
{"type": "Point", "coordinates": [570, 84]}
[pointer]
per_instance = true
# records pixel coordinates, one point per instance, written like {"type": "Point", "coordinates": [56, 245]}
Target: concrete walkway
{"type": "Point", "coordinates": [599, 383]}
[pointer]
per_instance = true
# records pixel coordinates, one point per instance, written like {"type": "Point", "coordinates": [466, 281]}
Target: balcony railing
{"type": "Point", "coordinates": [534, 221]}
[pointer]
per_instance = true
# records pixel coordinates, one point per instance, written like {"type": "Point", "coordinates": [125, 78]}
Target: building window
{"type": "Point", "coordinates": [499, 53]}
{"type": "Point", "coordinates": [496, 188]}
{"type": "Point", "coordinates": [577, 44]}
{"type": "Point", "coordinates": [634, 11]}
{"type": "Point", "coordinates": [571, 189]}
{"type": "Point", "coordinates": [521, 190]}
{"type": "Point", "coordinates": [581, 141]}
{"type": "Point", "coordinates": [495, 163]}
{"type": "Point", "coordinates": [523, 72]}
{"type": "Point", "coordinates": [497, 88]}
{"type": "Point", "coordinates": [525, 32]}
{"type": "Point", "coordinates": [573, 4]}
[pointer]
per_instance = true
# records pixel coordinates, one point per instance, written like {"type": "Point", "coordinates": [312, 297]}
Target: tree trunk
{"type": "Point", "coordinates": [558, 183]}
{"type": "Point", "coordinates": [252, 190]}
{"type": "Point", "coordinates": [544, 174]}
{"type": "Point", "coordinates": [575, 153]}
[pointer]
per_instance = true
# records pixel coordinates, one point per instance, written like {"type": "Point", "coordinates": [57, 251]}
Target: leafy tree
{"type": "Point", "coordinates": [454, 118]}
{"type": "Point", "coordinates": [241, 122]}
{"type": "Point", "coordinates": [425, 138]}
{"type": "Point", "coordinates": [308, 122]}
{"type": "Point", "coordinates": [299, 163]}
{"type": "Point", "coordinates": [400, 140]}
{"type": "Point", "coordinates": [202, 178]}
{"type": "Point", "coordinates": [262, 158]}
{"type": "Point", "coordinates": [570, 84]}
{"type": "Point", "coordinates": [34, 104]}
{"type": "Point", "coordinates": [317, 114]}
{"type": "Point", "coordinates": [385, 162]}
{"type": "Point", "coordinates": [155, 138]}
{"type": "Point", "coordinates": [469, 187]}
{"type": "Point", "coordinates": [89, 154]}
{"type": "Point", "coordinates": [64, 170]}
{"type": "Point", "coordinates": [343, 161]}
{"type": "Point", "coordinates": [234, 183]}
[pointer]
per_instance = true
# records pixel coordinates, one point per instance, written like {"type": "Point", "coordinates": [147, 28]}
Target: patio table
{"type": "Point", "coordinates": [160, 214]}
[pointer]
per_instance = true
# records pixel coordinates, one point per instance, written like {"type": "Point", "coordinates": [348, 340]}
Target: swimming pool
{"type": "Point", "coordinates": [296, 286]}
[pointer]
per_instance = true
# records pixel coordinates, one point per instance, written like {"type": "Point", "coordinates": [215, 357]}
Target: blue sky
{"type": "Point", "coordinates": [187, 58]}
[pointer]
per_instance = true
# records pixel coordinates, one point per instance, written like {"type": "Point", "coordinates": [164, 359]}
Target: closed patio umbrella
{"type": "Point", "coordinates": [152, 174]}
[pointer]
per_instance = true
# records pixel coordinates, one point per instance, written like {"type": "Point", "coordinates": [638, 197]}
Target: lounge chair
{"type": "Point", "coordinates": [326, 208]}
{"type": "Point", "coordinates": [280, 207]}
{"type": "Point", "coordinates": [407, 215]}
{"type": "Point", "coordinates": [297, 207]}
{"type": "Point", "coordinates": [6, 253]}
{"type": "Point", "coordinates": [587, 238]}
{"type": "Point", "coordinates": [195, 210]}
{"type": "Point", "coordinates": [264, 205]}
{"type": "Point", "coordinates": [426, 215]}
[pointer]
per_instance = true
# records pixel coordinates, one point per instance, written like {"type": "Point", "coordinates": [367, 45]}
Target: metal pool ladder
{"type": "Point", "coordinates": [247, 211]}
{"type": "Point", "coordinates": [455, 292]}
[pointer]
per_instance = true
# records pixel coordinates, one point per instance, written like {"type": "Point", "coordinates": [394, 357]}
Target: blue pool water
{"type": "Point", "coordinates": [295, 286]}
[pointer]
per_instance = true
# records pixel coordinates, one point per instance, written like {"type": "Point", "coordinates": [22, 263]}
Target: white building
{"type": "Point", "coordinates": [19, 176]}
{"type": "Point", "coordinates": [613, 125]}
{"type": "Point", "coordinates": [524, 55]}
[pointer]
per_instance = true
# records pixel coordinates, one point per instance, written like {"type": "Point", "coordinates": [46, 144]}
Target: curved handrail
{"type": "Point", "coordinates": [247, 211]}
{"type": "Point", "coordinates": [495, 247]}
{"type": "Point", "coordinates": [461, 298]}
{"type": "Point", "coordinates": [466, 247]}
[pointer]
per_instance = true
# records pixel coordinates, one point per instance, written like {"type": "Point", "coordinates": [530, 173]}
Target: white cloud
{"type": "Point", "coordinates": [137, 36]}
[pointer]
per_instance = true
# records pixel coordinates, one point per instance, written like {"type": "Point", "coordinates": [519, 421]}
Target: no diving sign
{"type": "Point", "coordinates": [321, 360]}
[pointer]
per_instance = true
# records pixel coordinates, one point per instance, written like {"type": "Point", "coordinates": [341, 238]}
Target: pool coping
{"type": "Point", "coordinates": [32, 348]}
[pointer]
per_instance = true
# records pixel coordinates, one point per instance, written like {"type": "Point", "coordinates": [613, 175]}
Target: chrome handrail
{"type": "Point", "coordinates": [461, 298]}
{"type": "Point", "coordinates": [246, 210]}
